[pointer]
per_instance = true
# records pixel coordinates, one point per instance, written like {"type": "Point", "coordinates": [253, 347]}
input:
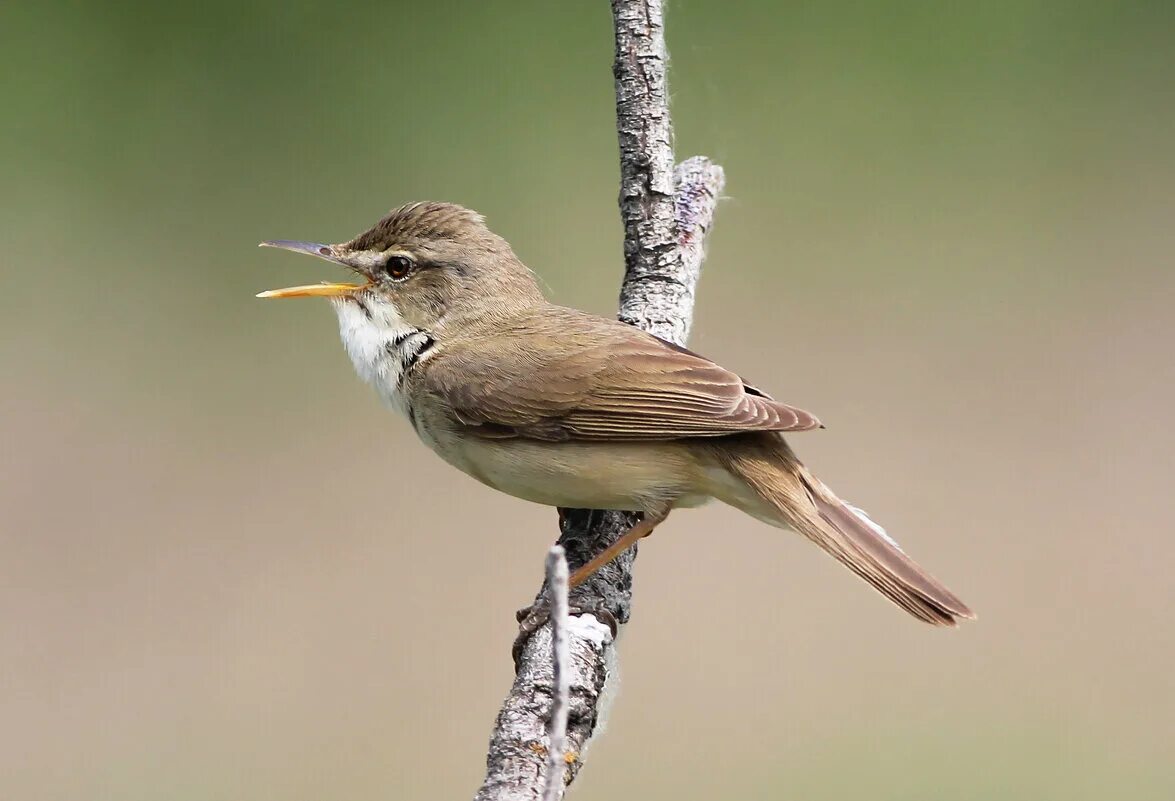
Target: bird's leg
{"type": "Point", "coordinates": [642, 529]}
{"type": "Point", "coordinates": [535, 616]}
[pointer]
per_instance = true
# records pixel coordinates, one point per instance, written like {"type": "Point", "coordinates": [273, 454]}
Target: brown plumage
{"type": "Point", "coordinates": [595, 379]}
{"type": "Point", "coordinates": [569, 409]}
{"type": "Point", "coordinates": [805, 504]}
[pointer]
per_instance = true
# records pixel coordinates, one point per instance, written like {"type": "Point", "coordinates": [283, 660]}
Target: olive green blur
{"type": "Point", "coordinates": [226, 573]}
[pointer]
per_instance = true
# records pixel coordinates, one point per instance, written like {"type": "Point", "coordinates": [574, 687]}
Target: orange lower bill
{"type": "Point", "coordinates": [323, 290]}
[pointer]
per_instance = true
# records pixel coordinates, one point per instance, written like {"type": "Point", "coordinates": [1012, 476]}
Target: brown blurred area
{"type": "Point", "coordinates": [226, 572]}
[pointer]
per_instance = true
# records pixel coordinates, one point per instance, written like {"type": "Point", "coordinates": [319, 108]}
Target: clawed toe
{"type": "Point", "coordinates": [534, 617]}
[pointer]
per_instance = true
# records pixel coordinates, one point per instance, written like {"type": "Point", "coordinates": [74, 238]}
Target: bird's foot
{"type": "Point", "coordinates": [534, 617]}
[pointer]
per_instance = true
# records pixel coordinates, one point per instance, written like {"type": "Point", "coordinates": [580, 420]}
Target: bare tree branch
{"type": "Point", "coordinates": [667, 212]}
{"type": "Point", "coordinates": [653, 278]}
{"type": "Point", "coordinates": [557, 580]}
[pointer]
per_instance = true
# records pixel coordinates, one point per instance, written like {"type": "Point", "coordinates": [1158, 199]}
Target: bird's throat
{"type": "Point", "coordinates": [383, 348]}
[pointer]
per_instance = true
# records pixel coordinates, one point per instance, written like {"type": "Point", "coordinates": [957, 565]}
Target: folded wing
{"type": "Point", "coordinates": [599, 380]}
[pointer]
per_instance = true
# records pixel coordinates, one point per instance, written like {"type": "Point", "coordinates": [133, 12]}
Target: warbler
{"type": "Point", "coordinates": [569, 409]}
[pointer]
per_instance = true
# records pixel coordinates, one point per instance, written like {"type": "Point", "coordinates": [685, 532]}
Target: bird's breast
{"type": "Point", "coordinates": [593, 475]}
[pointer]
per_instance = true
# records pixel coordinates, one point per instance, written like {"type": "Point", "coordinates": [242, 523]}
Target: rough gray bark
{"type": "Point", "coordinates": [651, 259]}
{"type": "Point", "coordinates": [667, 212]}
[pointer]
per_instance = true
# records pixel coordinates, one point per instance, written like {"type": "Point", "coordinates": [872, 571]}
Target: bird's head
{"type": "Point", "coordinates": [423, 265]}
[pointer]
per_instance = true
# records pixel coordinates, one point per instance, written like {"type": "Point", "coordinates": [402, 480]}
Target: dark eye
{"type": "Point", "coordinates": [399, 267]}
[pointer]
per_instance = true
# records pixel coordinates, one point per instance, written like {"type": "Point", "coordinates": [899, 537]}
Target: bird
{"type": "Point", "coordinates": [560, 407]}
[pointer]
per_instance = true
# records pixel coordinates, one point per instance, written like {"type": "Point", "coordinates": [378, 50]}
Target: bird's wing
{"type": "Point", "coordinates": [597, 379]}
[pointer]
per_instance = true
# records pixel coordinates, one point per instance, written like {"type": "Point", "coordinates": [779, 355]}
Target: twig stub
{"type": "Point", "coordinates": [557, 580]}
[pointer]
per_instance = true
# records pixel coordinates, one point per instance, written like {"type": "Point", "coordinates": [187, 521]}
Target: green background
{"type": "Point", "coordinates": [227, 573]}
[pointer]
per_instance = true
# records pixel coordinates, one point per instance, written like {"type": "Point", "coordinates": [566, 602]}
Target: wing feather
{"type": "Point", "coordinates": [596, 379]}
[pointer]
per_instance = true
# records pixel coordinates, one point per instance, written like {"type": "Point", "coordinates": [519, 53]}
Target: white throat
{"type": "Point", "coordinates": [381, 345]}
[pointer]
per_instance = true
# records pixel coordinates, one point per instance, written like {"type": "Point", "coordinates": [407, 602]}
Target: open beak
{"type": "Point", "coordinates": [323, 290]}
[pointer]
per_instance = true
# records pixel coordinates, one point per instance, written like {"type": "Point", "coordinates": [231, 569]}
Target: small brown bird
{"type": "Point", "coordinates": [565, 408]}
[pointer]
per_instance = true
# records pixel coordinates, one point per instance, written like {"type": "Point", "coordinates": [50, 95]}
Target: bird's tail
{"type": "Point", "coordinates": [785, 494]}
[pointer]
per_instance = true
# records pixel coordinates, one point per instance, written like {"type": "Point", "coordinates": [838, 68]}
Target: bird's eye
{"type": "Point", "coordinates": [399, 267]}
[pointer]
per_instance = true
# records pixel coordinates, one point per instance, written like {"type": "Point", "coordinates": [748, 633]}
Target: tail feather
{"type": "Point", "coordinates": [875, 557]}
{"type": "Point", "coordinates": [804, 503]}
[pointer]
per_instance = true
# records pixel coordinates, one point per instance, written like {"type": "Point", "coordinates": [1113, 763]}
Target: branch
{"type": "Point", "coordinates": [651, 260]}
{"type": "Point", "coordinates": [667, 213]}
{"type": "Point", "coordinates": [557, 580]}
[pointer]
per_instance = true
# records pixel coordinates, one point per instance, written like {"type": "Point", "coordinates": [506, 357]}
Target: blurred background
{"type": "Point", "coordinates": [226, 572]}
